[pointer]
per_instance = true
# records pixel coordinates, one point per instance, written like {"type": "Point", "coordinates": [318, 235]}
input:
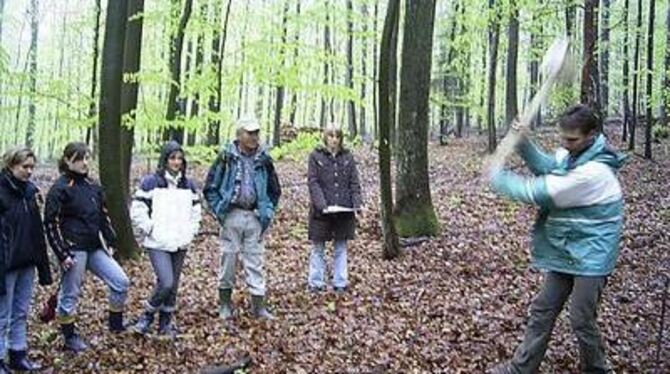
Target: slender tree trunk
{"type": "Point", "coordinates": [462, 78]}
{"type": "Point", "coordinates": [626, 86]}
{"type": "Point", "coordinates": [414, 212]}
{"type": "Point", "coordinates": [351, 108]}
{"type": "Point", "coordinates": [176, 47]}
{"type": "Point", "coordinates": [218, 46]}
{"type": "Point", "coordinates": [665, 101]}
{"type": "Point", "coordinates": [511, 100]}
{"type": "Point", "coordinates": [90, 130]}
{"type": "Point", "coordinates": [570, 18]}
{"type": "Point", "coordinates": [326, 51]}
{"type": "Point", "coordinates": [111, 171]}
{"type": "Point", "coordinates": [535, 45]}
{"type": "Point", "coordinates": [32, 109]}
{"type": "Point", "coordinates": [129, 90]}
{"type": "Point", "coordinates": [364, 72]}
{"type": "Point", "coordinates": [199, 60]}
{"type": "Point", "coordinates": [604, 56]}
{"type": "Point", "coordinates": [279, 96]}
{"type": "Point", "coordinates": [375, 74]}
{"type": "Point", "coordinates": [590, 85]}
{"type": "Point", "coordinates": [636, 78]}
{"type": "Point", "coordinates": [650, 79]}
{"type": "Point", "coordinates": [493, 59]}
{"type": "Point", "coordinates": [387, 95]}
{"type": "Point", "coordinates": [243, 89]}
{"type": "Point", "coordinates": [2, 12]}
{"type": "Point", "coordinates": [449, 78]}
{"type": "Point", "coordinates": [296, 52]}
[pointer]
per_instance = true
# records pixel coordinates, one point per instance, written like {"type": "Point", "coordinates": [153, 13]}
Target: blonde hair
{"type": "Point", "coordinates": [332, 129]}
{"type": "Point", "coordinates": [17, 156]}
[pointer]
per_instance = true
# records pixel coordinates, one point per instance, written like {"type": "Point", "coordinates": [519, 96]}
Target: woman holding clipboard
{"type": "Point", "coordinates": [335, 196]}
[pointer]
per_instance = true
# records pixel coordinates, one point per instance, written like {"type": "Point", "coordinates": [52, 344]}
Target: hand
{"type": "Point", "coordinates": [517, 126]}
{"type": "Point", "coordinates": [68, 263]}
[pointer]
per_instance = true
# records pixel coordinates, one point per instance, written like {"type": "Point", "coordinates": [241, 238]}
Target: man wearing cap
{"type": "Point", "coordinates": [242, 191]}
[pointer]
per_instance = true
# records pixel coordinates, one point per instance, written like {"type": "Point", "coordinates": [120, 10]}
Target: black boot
{"type": "Point", "coordinates": [116, 322]}
{"type": "Point", "coordinates": [225, 306]}
{"type": "Point", "coordinates": [72, 340]}
{"type": "Point", "coordinates": [18, 360]}
{"type": "Point", "coordinates": [143, 324]}
{"type": "Point", "coordinates": [3, 367]}
{"type": "Point", "coordinates": [165, 327]}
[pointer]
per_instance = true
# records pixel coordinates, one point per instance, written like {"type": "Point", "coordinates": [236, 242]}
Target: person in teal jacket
{"type": "Point", "coordinates": [575, 240]}
{"type": "Point", "coordinates": [242, 190]}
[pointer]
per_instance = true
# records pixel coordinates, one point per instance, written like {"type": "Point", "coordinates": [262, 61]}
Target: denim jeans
{"type": "Point", "coordinates": [584, 293]}
{"type": "Point", "coordinates": [317, 264]}
{"type": "Point", "coordinates": [14, 309]}
{"type": "Point", "coordinates": [241, 233]}
{"type": "Point", "coordinates": [101, 265]}
{"type": "Point", "coordinates": [167, 267]}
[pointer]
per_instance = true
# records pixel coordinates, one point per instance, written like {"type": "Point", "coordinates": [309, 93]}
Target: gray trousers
{"type": "Point", "coordinates": [584, 293]}
{"type": "Point", "coordinates": [167, 267]}
{"type": "Point", "coordinates": [241, 233]}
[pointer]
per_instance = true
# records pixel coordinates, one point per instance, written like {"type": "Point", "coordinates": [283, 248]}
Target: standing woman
{"type": "Point", "coordinates": [22, 248]}
{"type": "Point", "coordinates": [333, 185]}
{"type": "Point", "coordinates": [166, 209]}
{"type": "Point", "coordinates": [81, 234]}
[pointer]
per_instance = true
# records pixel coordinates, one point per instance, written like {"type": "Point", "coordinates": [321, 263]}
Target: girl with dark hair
{"type": "Point", "coordinates": [22, 249]}
{"type": "Point", "coordinates": [81, 234]}
{"type": "Point", "coordinates": [166, 210]}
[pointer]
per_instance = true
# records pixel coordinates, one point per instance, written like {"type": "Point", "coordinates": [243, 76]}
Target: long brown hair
{"type": "Point", "coordinates": [74, 151]}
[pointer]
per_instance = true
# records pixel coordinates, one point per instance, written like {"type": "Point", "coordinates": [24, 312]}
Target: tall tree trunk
{"type": "Point", "coordinates": [132, 53]}
{"type": "Point", "coordinates": [449, 77]}
{"type": "Point", "coordinates": [90, 130]}
{"type": "Point", "coordinates": [590, 85]}
{"type": "Point", "coordinates": [570, 18]}
{"type": "Point", "coordinates": [176, 47]}
{"type": "Point", "coordinates": [364, 73]}
{"type": "Point", "coordinates": [111, 171]}
{"type": "Point", "coordinates": [2, 12]}
{"type": "Point", "coordinates": [493, 60]}
{"type": "Point", "coordinates": [351, 108]}
{"type": "Point", "coordinates": [636, 78]}
{"type": "Point", "coordinates": [375, 74]}
{"type": "Point", "coordinates": [604, 56]}
{"type": "Point", "coordinates": [296, 52]}
{"type": "Point", "coordinates": [199, 60]}
{"type": "Point", "coordinates": [414, 212]}
{"type": "Point", "coordinates": [535, 46]}
{"type": "Point", "coordinates": [243, 89]}
{"type": "Point", "coordinates": [218, 46]}
{"type": "Point", "coordinates": [511, 108]}
{"type": "Point", "coordinates": [326, 52]}
{"type": "Point", "coordinates": [279, 96]}
{"type": "Point", "coordinates": [34, 31]}
{"type": "Point", "coordinates": [462, 78]}
{"type": "Point", "coordinates": [387, 95]}
{"type": "Point", "coordinates": [626, 86]}
{"type": "Point", "coordinates": [665, 98]}
{"type": "Point", "coordinates": [650, 79]}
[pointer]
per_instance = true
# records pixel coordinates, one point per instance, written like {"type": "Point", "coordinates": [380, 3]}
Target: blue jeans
{"type": "Point", "coordinates": [317, 264]}
{"type": "Point", "coordinates": [14, 309]}
{"type": "Point", "coordinates": [167, 267]}
{"type": "Point", "coordinates": [105, 268]}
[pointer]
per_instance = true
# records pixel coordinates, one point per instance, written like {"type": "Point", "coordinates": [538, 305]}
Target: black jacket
{"type": "Point", "coordinates": [75, 216]}
{"type": "Point", "coordinates": [332, 180]}
{"type": "Point", "coordinates": [22, 241]}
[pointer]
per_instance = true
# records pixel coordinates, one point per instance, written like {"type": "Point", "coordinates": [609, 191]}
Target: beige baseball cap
{"type": "Point", "coordinates": [248, 124]}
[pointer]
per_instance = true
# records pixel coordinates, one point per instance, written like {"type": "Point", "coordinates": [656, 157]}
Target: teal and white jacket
{"type": "Point", "coordinates": [581, 207]}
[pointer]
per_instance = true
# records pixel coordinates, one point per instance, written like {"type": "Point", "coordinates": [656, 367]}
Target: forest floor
{"type": "Point", "coordinates": [457, 303]}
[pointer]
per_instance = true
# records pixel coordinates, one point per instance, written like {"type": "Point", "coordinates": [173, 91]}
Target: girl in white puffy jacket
{"type": "Point", "coordinates": [166, 210]}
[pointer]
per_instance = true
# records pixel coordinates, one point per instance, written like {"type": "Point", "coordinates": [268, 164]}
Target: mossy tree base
{"type": "Point", "coordinates": [417, 219]}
